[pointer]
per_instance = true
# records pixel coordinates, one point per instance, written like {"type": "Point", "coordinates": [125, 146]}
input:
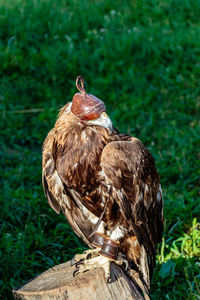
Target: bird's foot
{"type": "Point", "coordinates": [122, 261]}
{"type": "Point", "coordinates": [87, 254]}
{"type": "Point", "coordinates": [99, 261]}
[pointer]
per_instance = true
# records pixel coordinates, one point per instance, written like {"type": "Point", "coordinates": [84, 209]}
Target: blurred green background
{"type": "Point", "coordinates": [143, 59]}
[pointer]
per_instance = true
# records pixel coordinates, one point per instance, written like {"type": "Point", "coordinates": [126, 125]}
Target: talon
{"type": "Point", "coordinates": [76, 271]}
{"type": "Point", "coordinates": [80, 262]}
{"type": "Point", "coordinates": [77, 263]}
{"type": "Point", "coordinates": [89, 256]}
{"type": "Point", "coordinates": [125, 265]}
{"type": "Point", "coordinates": [122, 261]}
{"type": "Point", "coordinates": [72, 263]}
{"type": "Point", "coordinates": [86, 265]}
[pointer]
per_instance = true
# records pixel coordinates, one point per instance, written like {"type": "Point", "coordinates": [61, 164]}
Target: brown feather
{"type": "Point", "coordinates": [89, 168]}
{"type": "Point", "coordinates": [139, 179]}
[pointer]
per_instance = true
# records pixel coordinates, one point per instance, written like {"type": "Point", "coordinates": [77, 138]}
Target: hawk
{"type": "Point", "coordinates": [105, 183]}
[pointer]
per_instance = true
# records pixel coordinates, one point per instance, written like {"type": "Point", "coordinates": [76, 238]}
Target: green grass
{"type": "Point", "coordinates": [143, 59]}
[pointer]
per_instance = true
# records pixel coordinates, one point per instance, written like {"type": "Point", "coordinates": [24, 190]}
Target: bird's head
{"type": "Point", "coordinates": [89, 109]}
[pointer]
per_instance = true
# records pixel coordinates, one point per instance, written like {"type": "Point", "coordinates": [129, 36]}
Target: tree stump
{"type": "Point", "coordinates": [59, 283]}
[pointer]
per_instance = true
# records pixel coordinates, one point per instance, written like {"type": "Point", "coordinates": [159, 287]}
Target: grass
{"type": "Point", "coordinates": [143, 59]}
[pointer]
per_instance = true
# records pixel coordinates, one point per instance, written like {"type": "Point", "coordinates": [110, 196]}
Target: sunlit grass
{"type": "Point", "coordinates": [143, 59]}
{"type": "Point", "coordinates": [179, 260]}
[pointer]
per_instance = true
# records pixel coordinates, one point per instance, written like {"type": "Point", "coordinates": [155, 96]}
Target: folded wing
{"type": "Point", "coordinates": [58, 195]}
{"type": "Point", "coordinates": [130, 171]}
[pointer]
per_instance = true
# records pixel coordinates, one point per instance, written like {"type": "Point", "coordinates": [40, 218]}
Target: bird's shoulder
{"type": "Point", "coordinates": [129, 155]}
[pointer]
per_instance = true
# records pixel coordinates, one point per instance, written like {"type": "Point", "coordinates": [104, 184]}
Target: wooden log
{"type": "Point", "coordinates": [59, 283]}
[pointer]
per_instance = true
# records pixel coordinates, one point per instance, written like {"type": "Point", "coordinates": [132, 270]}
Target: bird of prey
{"type": "Point", "coordinates": [105, 183]}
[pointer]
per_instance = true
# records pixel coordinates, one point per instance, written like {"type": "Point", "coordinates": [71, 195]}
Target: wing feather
{"type": "Point", "coordinates": [129, 168]}
{"type": "Point", "coordinates": [57, 193]}
{"type": "Point", "coordinates": [51, 199]}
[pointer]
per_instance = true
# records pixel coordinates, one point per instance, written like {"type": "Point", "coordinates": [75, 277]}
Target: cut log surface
{"type": "Point", "coordinates": [58, 283]}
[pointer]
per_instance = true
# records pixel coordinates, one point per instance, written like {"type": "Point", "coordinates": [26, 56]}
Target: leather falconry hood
{"type": "Point", "coordinates": [86, 106]}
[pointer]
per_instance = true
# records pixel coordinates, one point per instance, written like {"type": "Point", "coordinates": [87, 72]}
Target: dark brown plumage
{"type": "Point", "coordinates": [91, 171]}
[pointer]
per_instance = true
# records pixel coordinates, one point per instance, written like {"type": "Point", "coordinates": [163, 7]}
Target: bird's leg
{"type": "Point", "coordinates": [98, 241]}
{"type": "Point", "coordinates": [107, 252]}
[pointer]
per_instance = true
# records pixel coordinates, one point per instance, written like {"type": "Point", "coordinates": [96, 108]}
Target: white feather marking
{"type": "Point", "coordinates": [147, 198]}
{"type": "Point", "coordinates": [49, 162]}
{"type": "Point", "coordinates": [117, 233]}
{"type": "Point", "coordinates": [93, 219]}
{"type": "Point", "coordinates": [90, 216]}
{"type": "Point", "coordinates": [119, 193]}
{"type": "Point", "coordinates": [160, 189]}
{"type": "Point", "coordinates": [159, 194]}
{"type": "Point", "coordinates": [84, 135]}
{"type": "Point", "coordinates": [101, 173]}
{"type": "Point", "coordinates": [140, 196]}
{"type": "Point", "coordinates": [101, 227]}
{"type": "Point", "coordinates": [135, 242]}
{"type": "Point", "coordinates": [57, 182]}
{"type": "Point", "coordinates": [59, 189]}
{"type": "Point", "coordinates": [160, 197]}
{"type": "Point", "coordinates": [68, 108]}
{"type": "Point", "coordinates": [66, 201]}
{"type": "Point", "coordinates": [103, 176]}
